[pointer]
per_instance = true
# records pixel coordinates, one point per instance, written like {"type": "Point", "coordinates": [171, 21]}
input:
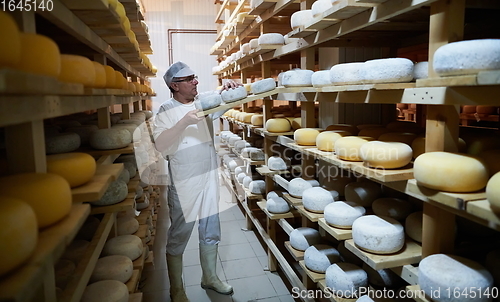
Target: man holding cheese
{"type": "Point", "coordinates": [186, 140]}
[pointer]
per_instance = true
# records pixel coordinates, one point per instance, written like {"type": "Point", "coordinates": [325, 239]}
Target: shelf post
{"type": "Point", "coordinates": [26, 147]}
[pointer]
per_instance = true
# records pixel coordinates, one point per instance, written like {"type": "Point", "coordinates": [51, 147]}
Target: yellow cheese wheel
{"type": "Point", "coordinates": [110, 76]}
{"type": "Point", "coordinates": [402, 137]}
{"type": "Point", "coordinates": [257, 119]}
{"type": "Point", "coordinates": [10, 44]}
{"type": "Point", "coordinates": [247, 118]}
{"type": "Point", "coordinates": [40, 55]}
{"type": "Point", "coordinates": [119, 80]}
{"type": "Point", "coordinates": [137, 86]}
{"type": "Point", "coordinates": [77, 168]}
{"type": "Point", "coordinates": [375, 132]}
{"type": "Point", "coordinates": [386, 155]}
{"type": "Point", "coordinates": [120, 10]}
{"type": "Point", "coordinates": [325, 141]}
{"type": "Point", "coordinates": [100, 75]}
{"type": "Point", "coordinates": [349, 128]}
{"type": "Point", "coordinates": [48, 194]}
{"type": "Point", "coordinates": [348, 148]}
{"type": "Point", "coordinates": [278, 125]}
{"type": "Point", "coordinates": [131, 87]}
{"type": "Point", "coordinates": [296, 122]}
{"type": "Point", "coordinates": [451, 172]}
{"type": "Point", "coordinates": [77, 69]}
{"type": "Point", "coordinates": [113, 3]}
{"type": "Point", "coordinates": [126, 24]}
{"type": "Point", "coordinates": [305, 136]}
{"type": "Point", "coordinates": [18, 233]}
{"type": "Point", "coordinates": [493, 192]}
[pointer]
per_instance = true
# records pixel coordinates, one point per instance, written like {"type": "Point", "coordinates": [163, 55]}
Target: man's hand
{"type": "Point", "coordinates": [191, 117]}
{"type": "Point", "coordinates": [229, 85]}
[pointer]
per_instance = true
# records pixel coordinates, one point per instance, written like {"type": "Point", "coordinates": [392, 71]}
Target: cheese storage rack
{"type": "Point", "coordinates": [345, 34]}
{"type": "Point", "coordinates": [92, 29]}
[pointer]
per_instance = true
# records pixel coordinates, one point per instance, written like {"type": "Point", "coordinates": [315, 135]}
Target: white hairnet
{"type": "Point", "coordinates": [177, 70]}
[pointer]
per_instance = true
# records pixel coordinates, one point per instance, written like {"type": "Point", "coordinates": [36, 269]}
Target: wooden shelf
{"type": "Point", "coordinates": [113, 170]}
{"type": "Point", "coordinates": [133, 282]}
{"type": "Point", "coordinates": [126, 150]}
{"type": "Point", "coordinates": [483, 210]}
{"type": "Point", "coordinates": [296, 254]}
{"type": "Point", "coordinates": [333, 298]}
{"type": "Point", "coordinates": [314, 276]}
{"type": "Point", "coordinates": [93, 190]}
{"type": "Point", "coordinates": [294, 201]}
{"type": "Point", "coordinates": [22, 83]}
{"type": "Point", "coordinates": [274, 216]}
{"type": "Point", "coordinates": [339, 234]}
{"type": "Point", "coordinates": [486, 77]}
{"type": "Point", "coordinates": [313, 217]}
{"type": "Point", "coordinates": [265, 171]}
{"type": "Point", "coordinates": [52, 241]}
{"type": "Point", "coordinates": [138, 263]}
{"type": "Point", "coordinates": [410, 253]}
{"type": "Point", "coordinates": [125, 205]}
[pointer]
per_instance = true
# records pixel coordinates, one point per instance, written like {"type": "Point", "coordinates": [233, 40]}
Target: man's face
{"type": "Point", "coordinates": [186, 86]}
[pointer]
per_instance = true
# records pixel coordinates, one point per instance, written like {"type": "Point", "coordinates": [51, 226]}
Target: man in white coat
{"type": "Point", "coordinates": [193, 192]}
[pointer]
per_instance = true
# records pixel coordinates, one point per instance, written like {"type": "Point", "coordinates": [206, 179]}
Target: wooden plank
{"type": "Point", "coordinates": [313, 217]}
{"type": "Point", "coordinates": [410, 253]}
{"type": "Point", "coordinates": [19, 285]}
{"type": "Point", "coordinates": [261, 6]}
{"type": "Point", "coordinates": [339, 234]}
{"type": "Point", "coordinates": [93, 190]}
{"type": "Point", "coordinates": [133, 282]}
{"type": "Point", "coordinates": [281, 181]}
{"type": "Point", "coordinates": [275, 216]}
{"type": "Point", "coordinates": [314, 276]}
{"type": "Point", "coordinates": [483, 210]}
{"type": "Point", "coordinates": [408, 272]}
{"type": "Point", "coordinates": [96, 153]}
{"type": "Point", "coordinates": [135, 297]}
{"type": "Point", "coordinates": [345, 9]}
{"type": "Point", "coordinates": [138, 263]}
{"type": "Point", "coordinates": [265, 171]}
{"type": "Point", "coordinates": [465, 80]}
{"type": "Point", "coordinates": [86, 5]}
{"type": "Point", "coordinates": [294, 201]}
{"type": "Point", "coordinates": [113, 170]}
{"type": "Point", "coordinates": [19, 82]}
{"type": "Point", "coordinates": [296, 254]}
{"type": "Point", "coordinates": [125, 205]}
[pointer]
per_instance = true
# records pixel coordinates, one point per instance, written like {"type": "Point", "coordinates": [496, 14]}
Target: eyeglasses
{"type": "Point", "coordinates": [188, 79]}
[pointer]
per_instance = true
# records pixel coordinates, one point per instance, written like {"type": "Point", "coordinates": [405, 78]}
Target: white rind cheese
{"type": "Point", "coordinates": [234, 94]}
{"type": "Point", "coordinates": [114, 267]}
{"type": "Point", "coordinates": [277, 205]}
{"type": "Point", "coordinates": [126, 245]}
{"type": "Point", "coordinates": [345, 279]}
{"type": "Point", "coordinates": [297, 186]}
{"type": "Point", "coordinates": [421, 70]}
{"type": "Point", "coordinates": [263, 86]}
{"type": "Point", "coordinates": [116, 192]}
{"type": "Point", "coordinates": [257, 187]}
{"type": "Point", "coordinates": [126, 225]}
{"type": "Point", "coordinates": [271, 39]}
{"type": "Point", "coordinates": [346, 73]}
{"type": "Point", "coordinates": [378, 235]}
{"type": "Point", "coordinates": [106, 291]}
{"type": "Point", "coordinates": [319, 257]}
{"type": "Point", "coordinates": [297, 78]}
{"type": "Point", "coordinates": [208, 100]}
{"type": "Point", "coordinates": [316, 199]}
{"type": "Point", "coordinates": [342, 214]}
{"type": "Point", "coordinates": [62, 143]}
{"type": "Point", "coordinates": [320, 6]}
{"type": "Point", "coordinates": [300, 18]}
{"type": "Point", "coordinates": [321, 78]}
{"type": "Point", "coordinates": [386, 155]}
{"type": "Point", "coordinates": [276, 163]}
{"type": "Point", "coordinates": [303, 237]}
{"type": "Point", "coordinates": [392, 70]}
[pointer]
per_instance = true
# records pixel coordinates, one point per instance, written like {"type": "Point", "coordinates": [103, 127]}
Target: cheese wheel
{"type": "Point", "coordinates": [257, 154]}
{"type": "Point", "coordinates": [116, 192]}
{"type": "Point", "coordinates": [391, 70]}
{"type": "Point", "coordinates": [303, 237]}
{"type": "Point", "coordinates": [106, 291]}
{"type": "Point", "coordinates": [111, 138]}
{"type": "Point", "coordinates": [493, 192]}
{"type": "Point", "coordinates": [467, 57]}
{"type": "Point", "coordinates": [440, 276]}
{"type": "Point", "coordinates": [363, 193]}
{"type": "Point", "coordinates": [300, 18]}
{"type": "Point", "coordinates": [421, 70]}
{"type": "Point", "coordinates": [40, 55]}
{"type": "Point", "coordinates": [321, 78]}
{"type": "Point", "coordinates": [325, 141]}
{"type": "Point", "coordinates": [254, 43]}
{"type": "Point", "coordinates": [10, 46]}
{"type": "Point", "coordinates": [492, 263]}
{"type": "Point", "coordinates": [319, 257]}
{"type": "Point", "coordinates": [247, 118]}
{"type": "Point", "coordinates": [386, 155]}
{"type": "Point", "coordinates": [272, 195]}
{"type": "Point", "coordinates": [278, 125]}
{"type": "Point", "coordinates": [276, 163]}
{"type": "Point", "coordinates": [246, 181]}
{"type": "Point", "coordinates": [48, 194]}
{"type": "Point", "coordinates": [127, 226]}
{"type": "Point", "coordinates": [375, 132]}
{"type": "Point", "coordinates": [257, 187]}
{"type": "Point", "coordinates": [234, 94]}
{"type": "Point", "coordinates": [353, 130]}
{"type": "Point", "coordinates": [316, 199]}
{"type": "Point", "coordinates": [402, 137]}
{"type": "Point", "coordinates": [114, 267]}
{"type": "Point", "coordinates": [271, 39]}
{"type": "Point", "coordinates": [263, 86]}
{"type": "Point", "coordinates": [342, 214]}
{"type": "Point", "coordinates": [297, 78]}
{"type": "Point", "coordinates": [84, 132]}
{"type": "Point", "coordinates": [297, 186]}
{"type": "Point", "coordinates": [345, 279]}
{"type": "Point", "coordinates": [395, 208]}
{"type": "Point", "coordinates": [77, 168]}
{"type": "Point", "coordinates": [62, 143]}
{"type": "Point", "coordinates": [110, 76]}
{"type": "Point", "coordinates": [245, 48]}
{"type": "Point", "coordinates": [305, 136]}
{"type": "Point", "coordinates": [277, 205]}
{"type": "Point", "coordinates": [120, 81]}
{"type": "Point", "coordinates": [346, 73]}
{"type": "Point", "coordinates": [320, 6]}
{"type": "Point", "coordinates": [18, 233]}
{"type": "Point", "coordinates": [348, 147]}
{"type": "Point", "coordinates": [413, 226]}
{"type": "Point", "coordinates": [382, 278]}
{"type": "Point", "coordinates": [77, 69]}
{"type": "Point", "coordinates": [126, 245]}
{"type": "Point", "coordinates": [378, 235]}
{"type": "Point", "coordinates": [208, 100]}
{"type": "Point", "coordinates": [451, 172]}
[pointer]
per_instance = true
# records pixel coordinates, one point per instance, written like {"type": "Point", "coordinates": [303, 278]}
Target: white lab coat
{"type": "Point", "coordinates": [193, 190]}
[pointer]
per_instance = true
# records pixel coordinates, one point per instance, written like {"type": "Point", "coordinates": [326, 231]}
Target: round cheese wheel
{"type": "Point", "coordinates": [297, 78]}
{"type": "Point", "coordinates": [263, 86]}
{"type": "Point", "coordinates": [239, 145]}
{"type": "Point", "coordinates": [247, 118]}
{"type": "Point", "coordinates": [447, 274]}
{"type": "Point", "coordinates": [142, 205]}
{"type": "Point", "coordinates": [319, 6]}
{"type": "Point", "coordinates": [233, 164]}
{"type": "Point", "coordinates": [319, 257]}
{"type": "Point", "coordinates": [127, 225]}
{"type": "Point", "coordinates": [208, 100]}
{"type": "Point", "coordinates": [277, 205]}
{"type": "Point", "coordinates": [375, 132]}
{"type": "Point", "coordinates": [346, 74]}
{"type": "Point", "coordinates": [76, 250]}
{"type": "Point", "coordinates": [348, 147]}
{"type": "Point", "coordinates": [40, 55]}
{"type": "Point", "coordinates": [10, 47]}
{"type": "Point", "coordinates": [110, 76]}
{"type": "Point", "coordinates": [300, 18]}
{"type": "Point", "coordinates": [342, 214]}
{"type": "Point", "coordinates": [254, 43]}
{"type": "Point", "coordinates": [421, 70]}
{"type": "Point", "coordinates": [114, 267]}
{"type": "Point", "coordinates": [363, 193]}
{"type": "Point", "coordinates": [245, 48]}
{"type": "Point", "coordinates": [305, 136]}
{"type": "Point", "coordinates": [321, 78]}
{"type": "Point", "coordinates": [257, 119]}
{"type": "Point", "coordinates": [353, 130]}
{"type": "Point", "coordinates": [246, 181]}
{"type": "Point", "coordinates": [126, 245]}
{"type": "Point", "coordinates": [297, 186]}
{"type": "Point", "coordinates": [77, 69]}
{"type": "Point", "coordinates": [382, 278]}
{"type": "Point", "coordinates": [325, 141]}
{"type": "Point", "coordinates": [257, 154]}
{"type": "Point", "coordinates": [84, 131]}
{"type": "Point", "coordinates": [276, 163]}
{"type": "Point", "coordinates": [272, 195]}
{"type": "Point", "coordinates": [278, 125]}
{"type": "Point", "coordinates": [18, 233]}
{"type": "Point", "coordinates": [467, 57]}
{"type": "Point", "coordinates": [413, 226]}
{"type": "Point", "coordinates": [77, 168]}
{"type": "Point", "coordinates": [106, 291]}
{"type": "Point", "coordinates": [345, 279]}
{"type": "Point", "coordinates": [392, 70]}
{"type": "Point", "coordinates": [378, 235]}
{"type": "Point", "coordinates": [493, 191]}
{"type": "Point", "coordinates": [316, 199]}
{"type": "Point", "coordinates": [234, 94]}
{"type": "Point", "coordinates": [62, 143]}
{"type": "Point", "coordinates": [386, 155]}
{"type": "Point", "coordinates": [116, 192]}
{"type": "Point", "coordinates": [271, 39]}
{"type": "Point", "coordinates": [451, 172]}
{"type": "Point", "coordinates": [257, 187]}
{"type": "Point", "coordinates": [232, 140]}
{"type": "Point", "coordinates": [48, 194]}
{"type": "Point", "coordinates": [303, 237]}
{"type": "Point", "coordinates": [111, 138]}
{"type": "Point", "coordinates": [402, 137]}
{"type": "Point", "coordinates": [395, 208]}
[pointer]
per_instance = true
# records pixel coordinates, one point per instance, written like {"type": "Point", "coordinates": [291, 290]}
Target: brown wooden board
{"type": "Point", "coordinates": [483, 210]}
{"type": "Point", "coordinates": [337, 233]}
{"type": "Point", "coordinates": [294, 201]}
{"type": "Point", "coordinates": [133, 282]}
{"type": "Point", "coordinates": [313, 217]}
{"type": "Point", "coordinates": [113, 170]}
{"type": "Point", "coordinates": [275, 216]}
{"type": "Point", "coordinates": [19, 82]}
{"type": "Point", "coordinates": [93, 190]}
{"type": "Point", "coordinates": [333, 297]}
{"type": "Point", "coordinates": [296, 254]}
{"type": "Point", "coordinates": [314, 276]}
{"type": "Point", "coordinates": [125, 205]}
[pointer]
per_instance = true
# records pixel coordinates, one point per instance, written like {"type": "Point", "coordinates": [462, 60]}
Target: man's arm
{"type": "Point", "coordinates": [169, 138]}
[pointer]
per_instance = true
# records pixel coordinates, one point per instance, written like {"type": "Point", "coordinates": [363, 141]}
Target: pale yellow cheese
{"type": "Point", "coordinates": [77, 69]}
{"type": "Point", "coordinates": [493, 192]}
{"type": "Point", "coordinates": [77, 168]}
{"type": "Point", "coordinates": [451, 172]}
{"type": "Point", "coordinates": [348, 147]}
{"type": "Point", "coordinates": [491, 159]}
{"type": "Point", "coordinates": [110, 76]}
{"type": "Point", "coordinates": [278, 125]}
{"type": "Point", "coordinates": [386, 155]}
{"type": "Point", "coordinates": [247, 118]}
{"type": "Point", "coordinates": [100, 75]}
{"type": "Point", "coordinates": [40, 55]}
{"type": "Point", "coordinates": [10, 44]}
{"type": "Point", "coordinates": [114, 267]}
{"type": "Point", "coordinates": [257, 120]}
{"type": "Point", "coordinates": [106, 291]}
{"type": "Point", "coordinates": [48, 194]}
{"type": "Point", "coordinates": [305, 136]}
{"type": "Point", "coordinates": [325, 141]}
{"type": "Point", "coordinates": [18, 233]}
